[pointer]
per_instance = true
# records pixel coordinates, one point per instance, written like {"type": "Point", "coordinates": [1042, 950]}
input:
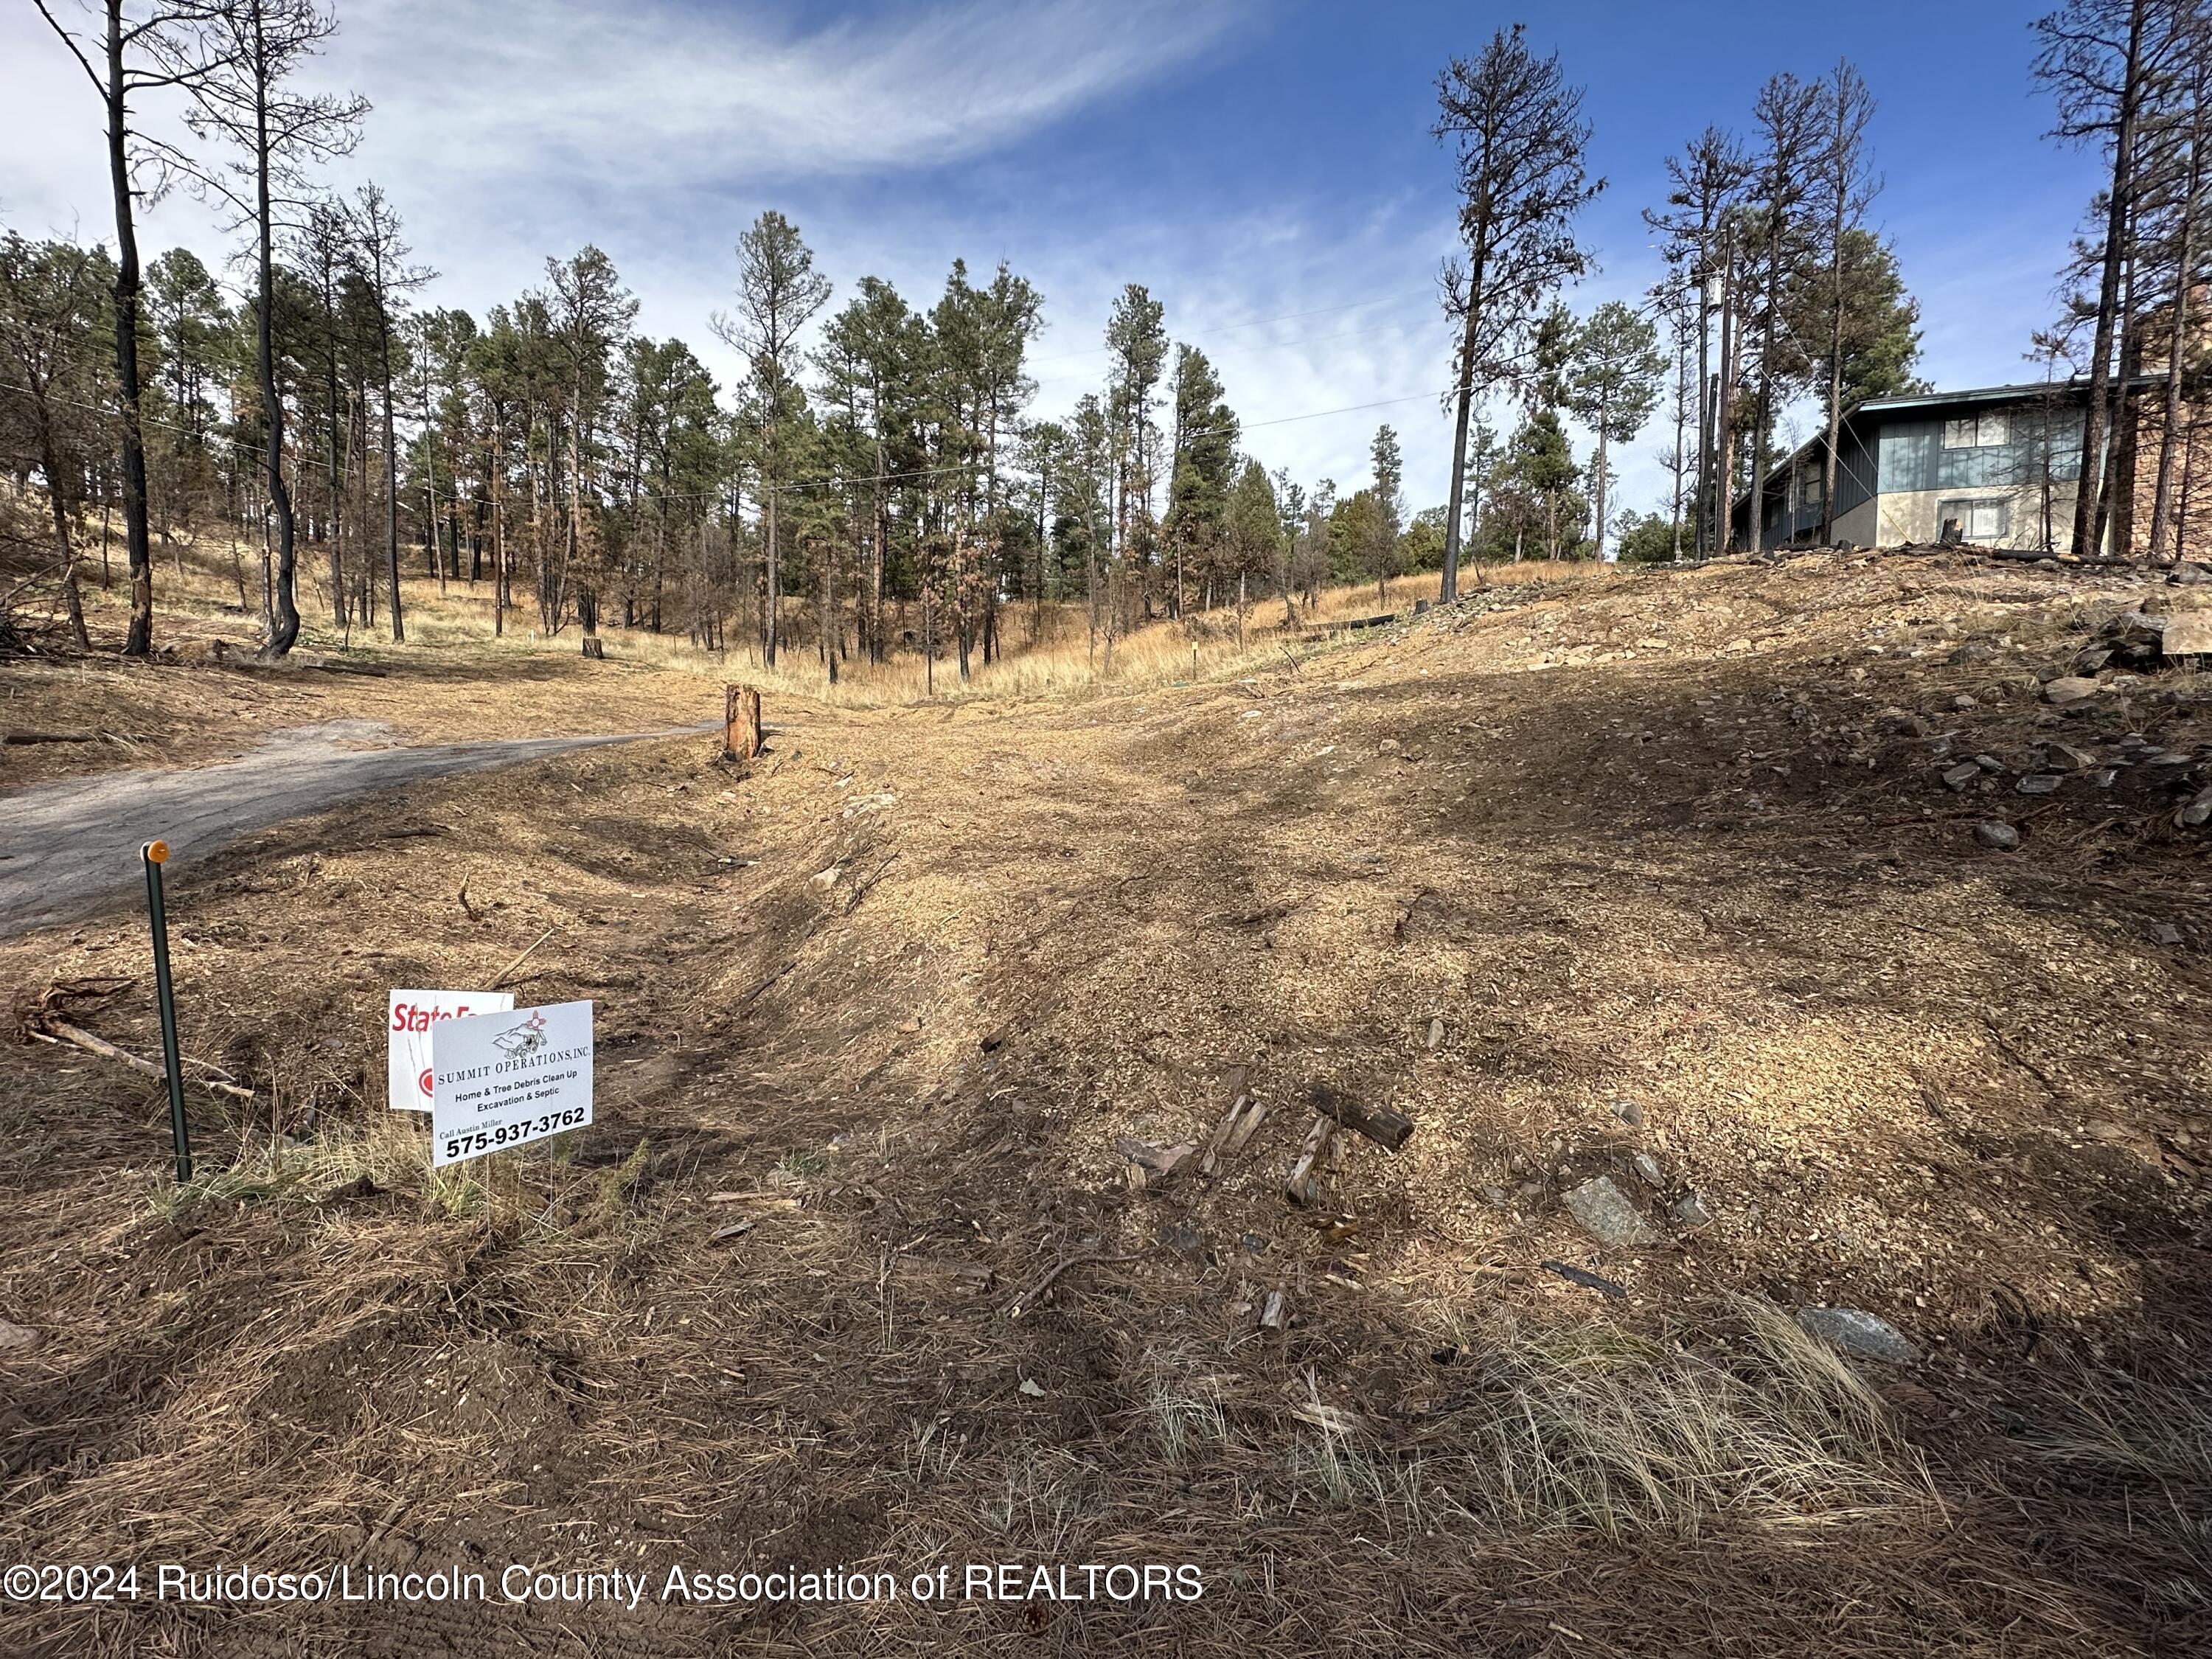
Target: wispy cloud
{"type": "Point", "coordinates": [674, 96]}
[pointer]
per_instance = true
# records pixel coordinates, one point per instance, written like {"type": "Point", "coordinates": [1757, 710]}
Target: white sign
{"type": "Point", "coordinates": [504, 1080]}
{"type": "Point", "coordinates": [407, 1059]}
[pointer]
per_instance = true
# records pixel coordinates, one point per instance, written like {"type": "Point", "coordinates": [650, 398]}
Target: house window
{"type": "Point", "coordinates": [1985, 521]}
{"type": "Point", "coordinates": [1976, 431]}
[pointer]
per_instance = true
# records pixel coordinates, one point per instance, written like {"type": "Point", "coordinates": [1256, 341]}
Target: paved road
{"type": "Point", "coordinates": [72, 847]}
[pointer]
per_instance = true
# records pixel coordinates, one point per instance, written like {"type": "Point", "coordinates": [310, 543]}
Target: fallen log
{"type": "Point", "coordinates": [51, 737]}
{"type": "Point", "coordinates": [62, 1031]}
{"type": "Point", "coordinates": [1386, 1128]}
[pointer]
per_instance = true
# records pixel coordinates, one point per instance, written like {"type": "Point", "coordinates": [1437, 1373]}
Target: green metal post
{"type": "Point", "coordinates": [156, 853]}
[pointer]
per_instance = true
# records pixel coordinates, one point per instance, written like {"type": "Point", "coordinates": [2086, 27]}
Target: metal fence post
{"type": "Point", "coordinates": [156, 853]}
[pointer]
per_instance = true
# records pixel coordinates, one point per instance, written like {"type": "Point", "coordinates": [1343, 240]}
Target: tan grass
{"type": "Point", "coordinates": [1732, 1413]}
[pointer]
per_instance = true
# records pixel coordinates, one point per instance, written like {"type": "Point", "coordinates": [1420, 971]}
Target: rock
{"type": "Point", "coordinates": [2102, 778]}
{"type": "Point", "coordinates": [2165, 933]}
{"type": "Point", "coordinates": [2000, 837]}
{"type": "Point", "coordinates": [17, 1338]}
{"type": "Point", "coordinates": [1989, 763]}
{"type": "Point", "coordinates": [1497, 1196]}
{"type": "Point", "coordinates": [1861, 1335]}
{"type": "Point", "coordinates": [1689, 1210]}
{"type": "Point", "coordinates": [2188, 634]}
{"type": "Point", "coordinates": [2040, 783]}
{"type": "Point", "coordinates": [1956, 778]}
{"type": "Point", "coordinates": [823, 880]}
{"type": "Point", "coordinates": [2092, 659]}
{"type": "Point", "coordinates": [1254, 1244]}
{"type": "Point", "coordinates": [2189, 575]}
{"type": "Point", "coordinates": [1629, 1113]}
{"type": "Point", "coordinates": [1972, 651]}
{"type": "Point", "coordinates": [1436, 1034]}
{"type": "Point", "coordinates": [2065, 757]}
{"type": "Point", "coordinates": [1182, 1238]}
{"type": "Point", "coordinates": [1031, 1387]}
{"type": "Point", "coordinates": [1903, 723]}
{"type": "Point", "coordinates": [2069, 688]}
{"type": "Point", "coordinates": [1605, 1210]}
{"type": "Point", "coordinates": [1964, 702]}
{"type": "Point", "coordinates": [1648, 1167]}
{"type": "Point", "coordinates": [2195, 812]}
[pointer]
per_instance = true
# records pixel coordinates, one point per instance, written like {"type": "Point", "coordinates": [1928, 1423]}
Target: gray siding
{"type": "Point", "coordinates": [1913, 457]}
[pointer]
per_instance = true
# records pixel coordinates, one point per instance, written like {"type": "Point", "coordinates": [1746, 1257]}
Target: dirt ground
{"type": "Point", "coordinates": [1655, 876]}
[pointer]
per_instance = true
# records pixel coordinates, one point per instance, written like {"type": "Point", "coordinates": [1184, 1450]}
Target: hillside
{"type": "Point", "coordinates": [1682, 881]}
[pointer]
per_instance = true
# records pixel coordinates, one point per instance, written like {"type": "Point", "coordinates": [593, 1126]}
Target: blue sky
{"type": "Point", "coordinates": [1266, 168]}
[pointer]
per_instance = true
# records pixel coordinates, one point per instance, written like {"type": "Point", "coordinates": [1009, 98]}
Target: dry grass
{"type": "Point", "coordinates": [1727, 1413]}
{"type": "Point", "coordinates": [1886, 1061]}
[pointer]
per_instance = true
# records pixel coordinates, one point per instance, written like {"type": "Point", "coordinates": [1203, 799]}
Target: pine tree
{"type": "Point", "coordinates": [1519, 139]}
{"type": "Point", "coordinates": [1388, 511]}
{"type": "Point", "coordinates": [779, 292]}
{"type": "Point", "coordinates": [1612, 377]}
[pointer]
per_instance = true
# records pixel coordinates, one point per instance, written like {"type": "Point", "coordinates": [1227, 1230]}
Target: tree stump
{"type": "Point", "coordinates": [741, 722]}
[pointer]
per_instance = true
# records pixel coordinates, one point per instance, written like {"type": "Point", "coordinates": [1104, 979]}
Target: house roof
{"type": "Point", "coordinates": [1987, 394]}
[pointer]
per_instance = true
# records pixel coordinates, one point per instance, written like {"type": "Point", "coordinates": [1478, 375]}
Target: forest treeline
{"type": "Point", "coordinates": [878, 477]}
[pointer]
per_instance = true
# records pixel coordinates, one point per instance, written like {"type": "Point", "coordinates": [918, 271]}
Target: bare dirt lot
{"type": "Point", "coordinates": [1668, 880]}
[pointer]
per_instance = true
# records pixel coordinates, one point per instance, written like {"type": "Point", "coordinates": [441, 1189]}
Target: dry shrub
{"type": "Point", "coordinates": [1591, 1427]}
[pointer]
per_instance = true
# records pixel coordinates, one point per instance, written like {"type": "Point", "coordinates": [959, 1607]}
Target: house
{"type": "Point", "coordinates": [2001, 461]}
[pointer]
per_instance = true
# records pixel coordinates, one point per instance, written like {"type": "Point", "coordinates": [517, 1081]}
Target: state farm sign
{"type": "Point", "coordinates": [407, 1031]}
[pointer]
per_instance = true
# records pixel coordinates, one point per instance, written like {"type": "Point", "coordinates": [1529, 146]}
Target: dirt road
{"type": "Point", "coordinates": [72, 847]}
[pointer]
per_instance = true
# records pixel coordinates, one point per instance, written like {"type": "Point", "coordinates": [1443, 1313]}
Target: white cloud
{"type": "Point", "coordinates": [667, 96]}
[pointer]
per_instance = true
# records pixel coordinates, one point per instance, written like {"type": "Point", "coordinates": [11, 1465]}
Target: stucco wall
{"type": "Point", "coordinates": [1910, 515]}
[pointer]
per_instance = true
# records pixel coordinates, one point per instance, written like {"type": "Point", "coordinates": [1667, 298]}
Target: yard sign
{"type": "Point", "coordinates": [504, 1080]}
{"type": "Point", "coordinates": [407, 1033]}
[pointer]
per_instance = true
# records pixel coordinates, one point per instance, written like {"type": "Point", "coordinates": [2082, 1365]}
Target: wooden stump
{"type": "Point", "coordinates": [741, 722]}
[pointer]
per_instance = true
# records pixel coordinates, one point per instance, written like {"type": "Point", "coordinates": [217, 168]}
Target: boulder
{"type": "Point", "coordinates": [2188, 634]}
{"type": "Point", "coordinates": [2066, 689]}
{"type": "Point", "coordinates": [1999, 837]}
